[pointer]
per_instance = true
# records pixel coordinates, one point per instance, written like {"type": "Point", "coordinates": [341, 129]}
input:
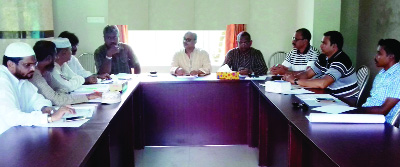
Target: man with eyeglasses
{"type": "Point", "coordinates": [301, 57]}
{"type": "Point", "coordinates": [334, 67]}
{"type": "Point", "coordinates": [62, 78]}
{"type": "Point", "coordinates": [190, 60]}
{"type": "Point", "coordinates": [244, 58]}
{"type": "Point", "coordinates": [115, 57]}
{"type": "Point", "coordinates": [20, 102]}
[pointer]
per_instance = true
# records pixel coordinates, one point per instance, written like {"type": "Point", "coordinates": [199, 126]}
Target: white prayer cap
{"type": "Point", "coordinates": [61, 42]}
{"type": "Point", "coordinates": [19, 49]}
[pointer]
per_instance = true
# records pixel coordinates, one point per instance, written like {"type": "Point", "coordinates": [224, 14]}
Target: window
{"type": "Point", "coordinates": [157, 47]}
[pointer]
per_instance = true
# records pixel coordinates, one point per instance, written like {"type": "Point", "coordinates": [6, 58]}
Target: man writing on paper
{"type": "Point", "coordinates": [114, 57]}
{"type": "Point", "coordinates": [62, 78]}
{"type": "Point", "coordinates": [385, 92]}
{"type": "Point", "coordinates": [190, 60]}
{"type": "Point", "coordinates": [45, 54]}
{"type": "Point", "coordinates": [244, 58]}
{"type": "Point", "coordinates": [301, 57]}
{"type": "Point", "coordinates": [333, 65]}
{"type": "Point", "coordinates": [74, 63]}
{"type": "Point", "coordinates": [21, 104]}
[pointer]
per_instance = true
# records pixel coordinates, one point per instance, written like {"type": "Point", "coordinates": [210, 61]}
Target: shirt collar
{"type": "Point", "coordinates": [305, 50]}
{"type": "Point", "coordinates": [13, 79]}
{"type": "Point", "coordinates": [392, 69]}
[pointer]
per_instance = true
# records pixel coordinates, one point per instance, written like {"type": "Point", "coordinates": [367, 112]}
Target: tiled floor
{"type": "Point", "coordinates": [200, 156]}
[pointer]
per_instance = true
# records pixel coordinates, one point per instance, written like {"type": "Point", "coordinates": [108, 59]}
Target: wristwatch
{"type": "Point", "coordinates": [295, 81]}
{"type": "Point", "coordinates": [49, 119]}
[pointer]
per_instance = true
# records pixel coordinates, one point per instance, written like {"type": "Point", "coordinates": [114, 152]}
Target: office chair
{"type": "Point", "coordinates": [276, 58]}
{"type": "Point", "coordinates": [362, 79]}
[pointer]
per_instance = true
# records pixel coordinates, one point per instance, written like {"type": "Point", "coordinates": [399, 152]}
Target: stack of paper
{"type": "Point", "coordinates": [346, 118]}
{"type": "Point", "coordinates": [334, 109]}
{"type": "Point", "coordinates": [311, 100]}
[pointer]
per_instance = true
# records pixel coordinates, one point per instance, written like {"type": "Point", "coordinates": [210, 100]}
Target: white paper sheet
{"type": "Point", "coordinates": [92, 88]}
{"type": "Point", "coordinates": [63, 124]}
{"type": "Point", "coordinates": [262, 78]}
{"type": "Point", "coordinates": [334, 109]}
{"type": "Point", "coordinates": [346, 118]}
{"type": "Point", "coordinates": [311, 100]}
{"type": "Point", "coordinates": [297, 91]}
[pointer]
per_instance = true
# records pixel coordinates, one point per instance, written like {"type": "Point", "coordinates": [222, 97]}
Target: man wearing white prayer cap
{"type": "Point", "coordinates": [21, 103]}
{"type": "Point", "coordinates": [62, 78]}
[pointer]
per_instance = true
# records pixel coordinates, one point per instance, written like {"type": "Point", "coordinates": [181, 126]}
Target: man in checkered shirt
{"type": "Point", "coordinates": [385, 93]}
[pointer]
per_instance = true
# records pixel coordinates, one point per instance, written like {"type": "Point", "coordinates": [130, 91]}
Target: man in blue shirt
{"type": "Point", "coordinates": [385, 93]}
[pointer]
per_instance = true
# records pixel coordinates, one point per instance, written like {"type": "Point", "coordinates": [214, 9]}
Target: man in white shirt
{"type": "Point", "coordinates": [62, 78]}
{"type": "Point", "coordinates": [191, 60]}
{"type": "Point", "coordinates": [74, 63]}
{"type": "Point", "coordinates": [21, 104]}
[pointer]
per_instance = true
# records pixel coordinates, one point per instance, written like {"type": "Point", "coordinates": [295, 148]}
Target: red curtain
{"type": "Point", "coordinates": [232, 31]}
{"type": "Point", "coordinates": [123, 33]}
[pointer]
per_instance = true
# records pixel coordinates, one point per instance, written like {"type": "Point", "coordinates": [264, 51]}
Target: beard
{"type": "Point", "coordinates": [19, 75]}
{"type": "Point", "coordinates": [49, 67]}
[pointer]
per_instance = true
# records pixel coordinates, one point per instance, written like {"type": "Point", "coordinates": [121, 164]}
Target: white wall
{"type": "Point", "coordinates": [271, 23]}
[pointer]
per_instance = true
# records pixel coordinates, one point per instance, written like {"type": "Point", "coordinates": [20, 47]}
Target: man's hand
{"type": "Point", "coordinates": [91, 79]}
{"type": "Point", "coordinates": [94, 95]}
{"type": "Point", "coordinates": [180, 72]}
{"type": "Point", "coordinates": [104, 76]}
{"type": "Point", "coordinates": [47, 110]}
{"type": "Point", "coordinates": [61, 111]}
{"type": "Point", "coordinates": [112, 51]}
{"type": "Point", "coordinates": [279, 69]}
{"type": "Point", "coordinates": [289, 77]}
{"type": "Point", "coordinates": [244, 71]}
{"type": "Point", "coordinates": [196, 73]}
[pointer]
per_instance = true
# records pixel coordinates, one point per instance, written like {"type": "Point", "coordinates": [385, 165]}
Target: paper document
{"type": "Point", "coordinates": [297, 91]}
{"type": "Point", "coordinates": [312, 100]}
{"type": "Point", "coordinates": [261, 78]}
{"type": "Point", "coordinates": [63, 124]}
{"type": "Point", "coordinates": [334, 109]}
{"type": "Point", "coordinates": [187, 77]}
{"type": "Point", "coordinates": [92, 88]}
{"type": "Point", "coordinates": [346, 118]}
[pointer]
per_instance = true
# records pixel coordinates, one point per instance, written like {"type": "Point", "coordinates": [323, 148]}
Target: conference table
{"type": "Point", "coordinates": [183, 111]}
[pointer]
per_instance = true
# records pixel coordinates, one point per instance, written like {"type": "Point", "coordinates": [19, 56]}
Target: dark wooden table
{"type": "Point", "coordinates": [166, 110]}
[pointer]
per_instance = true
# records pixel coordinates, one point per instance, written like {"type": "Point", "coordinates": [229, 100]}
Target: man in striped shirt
{"type": "Point", "coordinates": [385, 93]}
{"type": "Point", "coordinates": [244, 58]}
{"type": "Point", "coordinates": [301, 57]}
{"type": "Point", "coordinates": [335, 67]}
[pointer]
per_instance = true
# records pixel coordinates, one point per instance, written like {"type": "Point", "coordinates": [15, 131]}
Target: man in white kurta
{"type": "Point", "coordinates": [62, 78]}
{"type": "Point", "coordinates": [20, 102]}
{"type": "Point", "coordinates": [190, 60]}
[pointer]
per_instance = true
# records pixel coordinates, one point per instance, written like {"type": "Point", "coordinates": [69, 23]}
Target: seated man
{"type": "Point", "coordinates": [45, 52]}
{"type": "Point", "coordinates": [244, 58]}
{"type": "Point", "coordinates": [62, 78]}
{"type": "Point", "coordinates": [385, 92]}
{"type": "Point", "coordinates": [301, 57]}
{"type": "Point", "coordinates": [114, 57]}
{"type": "Point", "coordinates": [74, 63]}
{"type": "Point", "coordinates": [334, 66]}
{"type": "Point", "coordinates": [20, 102]}
{"type": "Point", "coordinates": [190, 60]}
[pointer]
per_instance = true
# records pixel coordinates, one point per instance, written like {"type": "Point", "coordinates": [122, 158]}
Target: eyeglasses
{"type": "Point", "coordinates": [188, 40]}
{"type": "Point", "coordinates": [29, 65]}
{"type": "Point", "coordinates": [295, 39]}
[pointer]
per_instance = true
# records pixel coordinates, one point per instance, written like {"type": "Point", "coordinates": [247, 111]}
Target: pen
{"type": "Point", "coordinates": [75, 118]}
